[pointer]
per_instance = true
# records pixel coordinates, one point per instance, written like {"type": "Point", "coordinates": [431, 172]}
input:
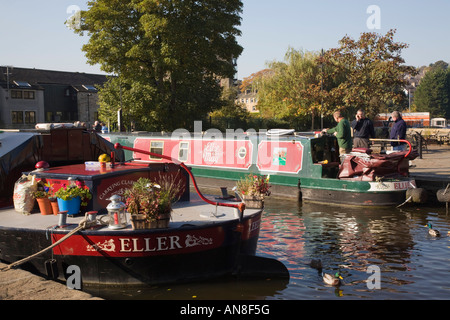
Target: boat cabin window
{"type": "Point", "coordinates": [156, 147]}
{"type": "Point", "coordinates": [183, 151]}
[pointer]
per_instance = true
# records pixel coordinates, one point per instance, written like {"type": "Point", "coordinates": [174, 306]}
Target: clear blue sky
{"type": "Point", "coordinates": [33, 34]}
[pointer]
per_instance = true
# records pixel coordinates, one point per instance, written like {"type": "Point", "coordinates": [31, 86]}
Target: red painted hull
{"type": "Point", "coordinates": [137, 257]}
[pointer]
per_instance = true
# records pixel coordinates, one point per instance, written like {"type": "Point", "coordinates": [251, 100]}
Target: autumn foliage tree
{"type": "Point", "coordinates": [366, 73]}
{"type": "Point", "coordinates": [167, 56]}
{"type": "Point", "coordinates": [369, 73]}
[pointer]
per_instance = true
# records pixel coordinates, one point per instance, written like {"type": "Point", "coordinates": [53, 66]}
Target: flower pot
{"type": "Point", "coordinates": [71, 206]}
{"type": "Point", "coordinates": [163, 220]}
{"type": "Point", "coordinates": [55, 207]}
{"type": "Point", "coordinates": [44, 206]}
{"type": "Point", "coordinates": [252, 202]}
{"type": "Point", "coordinates": [139, 222]}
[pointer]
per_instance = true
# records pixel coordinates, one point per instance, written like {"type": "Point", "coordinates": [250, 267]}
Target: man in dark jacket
{"type": "Point", "coordinates": [362, 130]}
{"type": "Point", "coordinates": [398, 131]}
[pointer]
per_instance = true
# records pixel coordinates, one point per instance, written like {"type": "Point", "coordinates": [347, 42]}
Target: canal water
{"type": "Point", "coordinates": [381, 254]}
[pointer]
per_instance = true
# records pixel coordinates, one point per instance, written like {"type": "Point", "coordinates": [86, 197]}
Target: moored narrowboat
{"type": "Point", "coordinates": [204, 239]}
{"type": "Point", "coordinates": [305, 166]}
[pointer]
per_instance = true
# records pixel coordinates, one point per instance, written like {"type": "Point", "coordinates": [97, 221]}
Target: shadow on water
{"type": "Point", "coordinates": [218, 289]}
{"type": "Point", "coordinates": [412, 264]}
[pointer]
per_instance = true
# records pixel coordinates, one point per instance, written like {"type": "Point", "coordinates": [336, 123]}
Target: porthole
{"type": "Point", "coordinates": [242, 152]}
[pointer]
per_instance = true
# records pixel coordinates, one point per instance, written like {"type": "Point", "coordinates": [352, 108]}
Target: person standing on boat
{"type": "Point", "coordinates": [362, 130]}
{"type": "Point", "coordinates": [342, 132]}
{"type": "Point", "coordinates": [398, 131]}
{"type": "Point", "coordinates": [97, 126]}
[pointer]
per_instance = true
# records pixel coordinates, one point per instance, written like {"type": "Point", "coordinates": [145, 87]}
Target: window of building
{"type": "Point", "coordinates": [89, 87]}
{"type": "Point", "coordinates": [183, 151]}
{"type": "Point", "coordinates": [22, 84]}
{"type": "Point", "coordinates": [16, 94]}
{"type": "Point", "coordinates": [28, 95]}
{"type": "Point", "coordinates": [48, 116]}
{"type": "Point", "coordinates": [17, 117]}
{"type": "Point", "coordinates": [30, 117]}
{"type": "Point", "coordinates": [156, 147]}
{"type": "Point", "coordinates": [58, 116]}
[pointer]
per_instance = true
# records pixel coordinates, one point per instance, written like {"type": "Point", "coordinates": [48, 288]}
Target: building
{"type": "Point", "coordinates": [249, 100]}
{"type": "Point", "coordinates": [30, 96]}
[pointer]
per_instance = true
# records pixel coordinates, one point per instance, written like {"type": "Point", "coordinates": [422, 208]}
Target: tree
{"type": "Point", "coordinates": [371, 72]}
{"type": "Point", "coordinates": [288, 89]}
{"type": "Point", "coordinates": [167, 54]}
{"type": "Point", "coordinates": [439, 65]}
{"type": "Point", "coordinates": [433, 93]}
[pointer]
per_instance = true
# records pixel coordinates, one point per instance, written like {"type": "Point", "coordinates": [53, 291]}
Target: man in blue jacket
{"type": "Point", "coordinates": [398, 131]}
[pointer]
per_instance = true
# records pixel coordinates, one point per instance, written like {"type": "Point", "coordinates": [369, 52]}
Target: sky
{"type": "Point", "coordinates": [33, 33]}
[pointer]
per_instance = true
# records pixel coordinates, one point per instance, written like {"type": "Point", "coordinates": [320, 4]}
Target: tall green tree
{"type": "Point", "coordinates": [372, 72]}
{"type": "Point", "coordinates": [167, 54]}
{"type": "Point", "coordinates": [433, 93]}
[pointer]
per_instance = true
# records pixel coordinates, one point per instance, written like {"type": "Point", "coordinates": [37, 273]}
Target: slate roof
{"type": "Point", "coordinates": [37, 77]}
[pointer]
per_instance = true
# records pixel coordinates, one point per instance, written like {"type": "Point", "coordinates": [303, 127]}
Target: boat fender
{"type": "Point", "coordinates": [443, 195]}
{"type": "Point", "coordinates": [418, 195]}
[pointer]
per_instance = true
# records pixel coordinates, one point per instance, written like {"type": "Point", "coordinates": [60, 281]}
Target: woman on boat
{"type": "Point", "coordinates": [342, 132]}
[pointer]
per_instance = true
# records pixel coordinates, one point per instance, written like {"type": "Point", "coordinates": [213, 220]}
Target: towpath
{"type": "Point", "coordinates": [17, 284]}
{"type": "Point", "coordinates": [435, 163]}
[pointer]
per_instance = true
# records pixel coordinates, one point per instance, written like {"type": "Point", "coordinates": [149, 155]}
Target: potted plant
{"type": "Point", "coordinates": [42, 197]}
{"type": "Point", "coordinates": [72, 197]}
{"type": "Point", "coordinates": [52, 198]}
{"type": "Point", "coordinates": [150, 203]}
{"type": "Point", "coordinates": [253, 189]}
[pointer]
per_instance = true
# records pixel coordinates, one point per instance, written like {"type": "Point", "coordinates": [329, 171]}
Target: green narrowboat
{"type": "Point", "coordinates": [302, 165]}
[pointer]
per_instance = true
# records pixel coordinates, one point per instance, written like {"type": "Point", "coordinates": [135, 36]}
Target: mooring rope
{"type": "Point", "coordinates": [407, 200]}
{"type": "Point", "coordinates": [85, 223]}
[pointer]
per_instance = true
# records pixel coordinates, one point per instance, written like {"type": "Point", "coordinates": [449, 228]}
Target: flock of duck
{"type": "Point", "coordinates": [336, 279]}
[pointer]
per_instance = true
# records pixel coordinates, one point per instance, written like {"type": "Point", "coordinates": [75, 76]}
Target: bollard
{"type": "Point", "coordinates": [62, 218]}
{"type": "Point", "coordinates": [420, 146]}
{"type": "Point", "coordinates": [91, 215]}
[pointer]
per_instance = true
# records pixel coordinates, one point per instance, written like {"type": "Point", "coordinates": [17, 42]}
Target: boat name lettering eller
{"type": "Point", "coordinates": [159, 244]}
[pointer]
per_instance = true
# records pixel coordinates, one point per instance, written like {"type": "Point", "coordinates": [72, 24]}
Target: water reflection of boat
{"type": "Point", "coordinates": [359, 236]}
